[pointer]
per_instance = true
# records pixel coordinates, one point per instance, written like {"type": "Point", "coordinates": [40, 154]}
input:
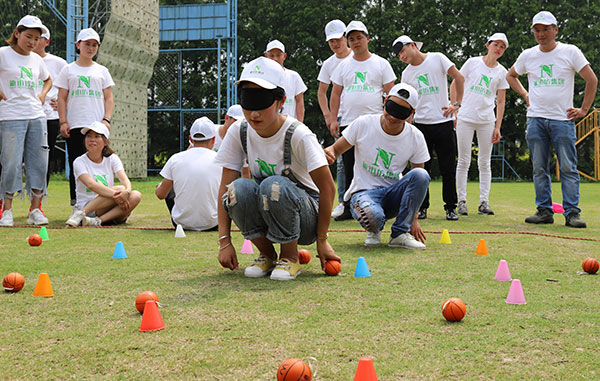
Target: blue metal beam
{"type": "Point", "coordinates": [51, 4]}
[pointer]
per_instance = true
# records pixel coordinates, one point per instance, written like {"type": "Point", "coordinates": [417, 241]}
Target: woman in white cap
{"type": "Point", "coordinates": [23, 131]}
{"type": "Point", "coordinates": [99, 201]}
{"type": "Point", "coordinates": [84, 96]}
{"type": "Point", "coordinates": [485, 84]}
{"type": "Point", "coordinates": [290, 202]}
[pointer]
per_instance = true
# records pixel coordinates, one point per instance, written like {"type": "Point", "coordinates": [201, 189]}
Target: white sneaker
{"type": "Point", "coordinates": [286, 270]}
{"type": "Point", "coordinates": [36, 217]}
{"type": "Point", "coordinates": [261, 267]}
{"type": "Point", "coordinates": [338, 210]}
{"type": "Point", "coordinates": [7, 218]}
{"type": "Point", "coordinates": [76, 218]}
{"type": "Point", "coordinates": [462, 208]}
{"type": "Point", "coordinates": [406, 241]}
{"type": "Point", "coordinates": [373, 238]}
{"type": "Point", "coordinates": [91, 221]}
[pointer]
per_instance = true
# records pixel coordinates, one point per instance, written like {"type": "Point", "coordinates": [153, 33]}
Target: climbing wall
{"type": "Point", "coordinates": [129, 50]}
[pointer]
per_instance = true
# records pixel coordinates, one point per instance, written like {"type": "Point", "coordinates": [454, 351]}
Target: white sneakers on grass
{"type": "Point", "coordinates": [7, 218]}
{"type": "Point", "coordinates": [36, 217]}
{"type": "Point", "coordinates": [338, 210]}
{"type": "Point", "coordinates": [373, 238]}
{"type": "Point", "coordinates": [78, 218]}
{"type": "Point", "coordinates": [406, 241]}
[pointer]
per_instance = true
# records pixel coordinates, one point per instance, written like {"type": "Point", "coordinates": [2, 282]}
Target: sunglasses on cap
{"type": "Point", "coordinates": [255, 99]}
{"type": "Point", "coordinates": [399, 46]}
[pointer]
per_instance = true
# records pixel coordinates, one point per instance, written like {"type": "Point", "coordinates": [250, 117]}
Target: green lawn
{"type": "Point", "coordinates": [223, 326]}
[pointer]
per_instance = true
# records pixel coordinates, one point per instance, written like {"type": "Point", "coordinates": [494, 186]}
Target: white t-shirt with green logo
{"type": "Point", "coordinates": [293, 85]}
{"type": "Point", "coordinates": [551, 77]}
{"type": "Point", "coordinates": [327, 70]}
{"type": "Point", "coordinates": [481, 85]}
{"type": "Point", "coordinates": [101, 172]}
{"type": "Point", "coordinates": [430, 78]}
{"type": "Point", "coordinates": [19, 82]}
{"type": "Point", "coordinates": [55, 65]}
{"type": "Point", "coordinates": [380, 158]}
{"type": "Point", "coordinates": [86, 96]}
{"type": "Point", "coordinates": [362, 83]}
{"type": "Point", "coordinates": [265, 155]}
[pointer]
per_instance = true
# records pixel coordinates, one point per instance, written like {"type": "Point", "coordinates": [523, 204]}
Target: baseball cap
{"type": "Point", "coordinates": [97, 127]}
{"type": "Point", "coordinates": [202, 129]}
{"type": "Point", "coordinates": [275, 44]}
{"type": "Point", "coordinates": [499, 37]}
{"type": "Point", "coordinates": [334, 29]}
{"type": "Point", "coordinates": [32, 22]}
{"type": "Point", "coordinates": [88, 34]}
{"type": "Point", "coordinates": [263, 71]}
{"type": "Point", "coordinates": [404, 40]}
{"type": "Point", "coordinates": [46, 35]}
{"type": "Point", "coordinates": [406, 92]}
{"type": "Point", "coordinates": [235, 112]}
{"type": "Point", "coordinates": [356, 25]}
{"type": "Point", "coordinates": [544, 18]}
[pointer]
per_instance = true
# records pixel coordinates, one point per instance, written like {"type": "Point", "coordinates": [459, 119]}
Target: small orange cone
{"type": "Point", "coordinates": [365, 370]}
{"type": "Point", "coordinates": [43, 286]}
{"type": "Point", "coordinates": [481, 248]}
{"type": "Point", "coordinates": [151, 319]}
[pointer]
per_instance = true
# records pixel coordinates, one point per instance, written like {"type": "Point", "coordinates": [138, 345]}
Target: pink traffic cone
{"type": "Point", "coordinates": [557, 208]}
{"type": "Point", "coordinates": [247, 247]}
{"type": "Point", "coordinates": [515, 294]}
{"type": "Point", "coordinates": [503, 273]}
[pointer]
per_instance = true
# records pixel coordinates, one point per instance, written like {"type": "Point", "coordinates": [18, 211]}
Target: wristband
{"type": "Point", "coordinates": [223, 237]}
{"type": "Point", "coordinates": [221, 248]}
{"type": "Point", "coordinates": [106, 119]}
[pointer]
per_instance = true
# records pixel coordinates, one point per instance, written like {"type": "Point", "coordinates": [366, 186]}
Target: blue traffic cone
{"type": "Point", "coordinates": [362, 270]}
{"type": "Point", "coordinates": [119, 251]}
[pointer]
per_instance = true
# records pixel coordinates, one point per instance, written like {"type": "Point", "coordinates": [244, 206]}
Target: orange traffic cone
{"type": "Point", "coordinates": [43, 286]}
{"type": "Point", "coordinates": [365, 370]}
{"type": "Point", "coordinates": [481, 248]}
{"type": "Point", "coordinates": [151, 319]}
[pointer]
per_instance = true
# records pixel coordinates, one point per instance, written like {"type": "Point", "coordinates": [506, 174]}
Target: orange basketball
{"type": "Point", "coordinates": [333, 267]}
{"type": "Point", "coordinates": [35, 240]}
{"type": "Point", "coordinates": [140, 301]}
{"type": "Point", "coordinates": [454, 309]}
{"type": "Point", "coordinates": [294, 369]}
{"type": "Point", "coordinates": [303, 256]}
{"type": "Point", "coordinates": [590, 265]}
{"type": "Point", "coordinates": [13, 282]}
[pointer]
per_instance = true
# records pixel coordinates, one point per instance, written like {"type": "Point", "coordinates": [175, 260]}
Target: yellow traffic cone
{"type": "Point", "coordinates": [445, 237]}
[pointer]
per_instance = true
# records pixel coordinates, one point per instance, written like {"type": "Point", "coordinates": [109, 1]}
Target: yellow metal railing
{"type": "Point", "coordinates": [589, 126]}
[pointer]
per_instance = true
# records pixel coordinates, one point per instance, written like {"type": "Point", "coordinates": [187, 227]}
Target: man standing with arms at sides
{"type": "Point", "coordinates": [550, 67]}
{"type": "Point", "coordinates": [358, 85]}
{"type": "Point", "coordinates": [427, 72]}
{"type": "Point", "coordinates": [334, 33]}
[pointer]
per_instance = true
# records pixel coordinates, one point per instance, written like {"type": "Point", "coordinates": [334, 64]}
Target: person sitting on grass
{"type": "Point", "coordinates": [290, 202]}
{"type": "Point", "coordinates": [99, 201]}
{"type": "Point", "coordinates": [383, 145]}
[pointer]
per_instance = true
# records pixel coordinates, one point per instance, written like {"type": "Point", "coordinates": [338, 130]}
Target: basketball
{"type": "Point", "coordinates": [35, 240]}
{"type": "Point", "coordinates": [140, 301]}
{"type": "Point", "coordinates": [333, 267]}
{"type": "Point", "coordinates": [303, 256]}
{"type": "Point", "coordinates": [590, 265]}
{"type": "Point", "coordinates": [454, 309]}
{"type": "Point", "coordinates": [13, 282]}
{"type": "Point", "coordinates": [294, 369]}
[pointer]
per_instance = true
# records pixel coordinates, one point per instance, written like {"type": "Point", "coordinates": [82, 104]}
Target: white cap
{"type": "Point", "coordinates": [275, 44]}
{"type": "Point", "coordinates": [46, 35]}
{"type": "Point", "coordinates": [235, 112]}
{"type": "Point", "coordinates": [545, 18]}
{"type": "Point", "coordinates": [499, 37]}
{"type": "Point", "coordinates": [88, 34]}
{"type": "Point", "coordinates": [405, 40]}
{"type": "Point", "coordinates": [334, 29]}
{"type": "Point", "coordinates": [412, 97]}
{"type": "Point", "coordinates": [97, 127]}
{"type": "Point", "coordinates": [264, 72]}
{"type": "Point", "coordinates": [356, 26]}
{"type": "Point", "coordinates": [204, 128]}
{"type": "Point", "coordinates": [32, 22]}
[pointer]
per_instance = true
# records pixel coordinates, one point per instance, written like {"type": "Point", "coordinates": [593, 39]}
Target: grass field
{"type": "Point", "coordinates": [223, 326]}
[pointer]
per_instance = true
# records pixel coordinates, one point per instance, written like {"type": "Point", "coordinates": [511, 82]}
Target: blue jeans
{"type": "Point", "coordinates": [23, 141]}
{"type": "Point", "coordinates": [276, 209]}
{"type": "Point", "coordinates": [540, 134]}
{"type": "Point", "coordinates": [401, 200]}
{"type": "Point", "coordinates": [341, 179]}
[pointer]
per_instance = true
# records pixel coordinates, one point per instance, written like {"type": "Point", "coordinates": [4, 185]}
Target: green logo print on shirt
{"type": "Point", "coordinates": [265, 169]}
{"type": "Point", "coordinates": [549, 80]}
{"type": "Point", "coordinates": [25, 80]}
{"type": "Point", "coordinates": [27, 71]}
{"type": "Point", "coordinates": [83, 88]}
{"type": "Point", "coordinates": [483, 87]}
{"type": "Point", "coordinates": [99, 179]}
{"type": "Point", "coordinates": [360, 84]}
{"type": "Point", "coordinates": [424, 87]}
{"type": "Point", "coordinates": [386, 159]}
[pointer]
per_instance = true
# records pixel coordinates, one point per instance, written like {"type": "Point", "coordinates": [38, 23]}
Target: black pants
{"type": "Point", "coordinates": [53, 130]}
{"type": "Point", "coordinates": [348, 159]}
{"type": "Point", "coordinates": [441, 138]}
{"type": "Point", "coordinates": [170, 201]}
{"type": "Point", "coordinates": [76, 148]}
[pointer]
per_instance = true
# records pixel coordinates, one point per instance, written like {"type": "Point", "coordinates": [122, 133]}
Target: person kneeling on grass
{"type": "Point", "coordinates": [384, 144]}
{"type": "Point", "coordinates": [99, 201]}
{"type": "Point", "coordinates": [290, 202]}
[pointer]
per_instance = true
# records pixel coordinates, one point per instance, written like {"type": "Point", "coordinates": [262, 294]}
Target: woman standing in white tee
{"type": "Point", "coordinates": [99, 201]}
{"type": "Point", "coordinates": [84, 96]}
{"type": "Point", "coordinates": [485, 82]}
{"type": "Point", "coordinates": [23, 132]}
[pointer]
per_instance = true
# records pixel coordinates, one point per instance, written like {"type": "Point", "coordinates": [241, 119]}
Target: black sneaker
{"type": "Point", "coordinates": [574, 220]}
{"type": "Point", "coordinates": [542, 216]}
{"type": "Point", "coordinates": [344, 216]}
{"type": "Point", "coordinates": [451, 215]}
{"type": "Point", "coordinates": [422, 214]}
